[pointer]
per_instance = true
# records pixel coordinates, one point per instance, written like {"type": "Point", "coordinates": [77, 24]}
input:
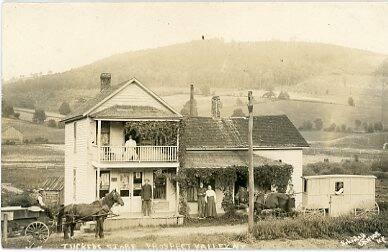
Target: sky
{"type": "Point", "coordinates": [42, 37]}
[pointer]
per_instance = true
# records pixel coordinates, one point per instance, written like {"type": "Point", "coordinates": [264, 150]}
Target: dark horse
{"type": "Point", "coordinates": [96, 211]}
{"type": "Point", "coordinates": [274, 201]}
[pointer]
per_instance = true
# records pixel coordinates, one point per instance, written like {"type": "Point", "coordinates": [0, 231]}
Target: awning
{"type": "Point", "coordinates": [224, 159]}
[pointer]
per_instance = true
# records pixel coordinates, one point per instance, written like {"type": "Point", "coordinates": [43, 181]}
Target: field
{"type": "Point", "coordinates": [32, 131]}
{"type": "Point", "coordinates": [27, 166]}
{"type": "Point", "coordinates": [297, 110]}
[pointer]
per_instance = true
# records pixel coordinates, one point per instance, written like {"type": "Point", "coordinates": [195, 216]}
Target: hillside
{"type": "Point", "coordinates": [301, 66]}
{"type": "Point", "coordinates": [32, 131]}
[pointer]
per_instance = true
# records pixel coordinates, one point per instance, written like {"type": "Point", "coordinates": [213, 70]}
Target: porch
{"type": "Point", "coordinates": [124, 221]}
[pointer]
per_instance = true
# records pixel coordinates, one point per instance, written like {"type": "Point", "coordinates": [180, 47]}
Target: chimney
{"type": "Point", "coordinates": [191, 100]}
{"type": "Point", "coordinates": [216, 107]}
{"type": "Point", "coordinates": [105, 81]}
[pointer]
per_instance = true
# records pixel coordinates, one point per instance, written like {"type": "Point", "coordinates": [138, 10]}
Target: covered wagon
{"type": "Point", "coordinates": [337, 195]}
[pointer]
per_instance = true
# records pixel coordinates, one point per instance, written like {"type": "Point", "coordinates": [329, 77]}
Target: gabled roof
{"type": "Point", "coordinates": [268, 132]}
{"type": "Point", "coordinates": [90, 105]}
{"type": "Point", "coordinates": [224, 159]}
{"type": "Point", "coordinates": [133, 112]}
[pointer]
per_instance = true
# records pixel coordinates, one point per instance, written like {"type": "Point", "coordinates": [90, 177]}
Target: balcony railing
{"type": "Point", "coordinates": [139, 154]}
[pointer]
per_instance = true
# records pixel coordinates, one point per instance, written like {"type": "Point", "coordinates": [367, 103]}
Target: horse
{"type": "Point", "coordinates": [96, 211]}
{"type": "Point", "coordinates": [274, 201]}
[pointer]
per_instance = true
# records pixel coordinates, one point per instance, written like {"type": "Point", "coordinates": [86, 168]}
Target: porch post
{"type": "Point", "coordinates": [176, 182]}
{"type": "Point", "coordinates": [251, 183]}
{"type": "Point", "coordinates": [99, 158]}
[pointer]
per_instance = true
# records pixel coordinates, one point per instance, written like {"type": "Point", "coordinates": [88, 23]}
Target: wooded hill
{"type": "Point", "coordinates": [214, 63]}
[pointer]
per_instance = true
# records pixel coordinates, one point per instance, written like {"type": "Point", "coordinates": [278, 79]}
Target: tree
{"type": "Point", "coordinates": [284, 96]}
{"type": "Point", "coordinates": [351, 101]}
{"type": "Point", "coordinates": [307, 125]}
{"type": "Point", "coordinates": [378, 126]}
{"type": "Point", "coordinates": [357, 123]}
{"type": "Point", "coordinates": [16, 115]}
{"type": "Point", "coordinates": [238, 112]}
{"type": "Point", "coordinates": [64, 109]}
{"type": "Point", "coordinates": [318, 124]}
{"type": "Point", "coordinates": [52, 123]}
{"type": "Point", "coordinates": [332, 127]}
{"type": "Point", "coordinates": [61, 125]}
{"type": "Point", "coordinates": [185, 111]}
{"type": "Point", "coordinates": [6, 109]}
{"type": "Point", "coordinates": [39, 116]}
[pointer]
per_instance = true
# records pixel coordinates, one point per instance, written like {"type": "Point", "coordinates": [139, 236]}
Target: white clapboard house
{"type": "Point", "coordinates": [97, 160]}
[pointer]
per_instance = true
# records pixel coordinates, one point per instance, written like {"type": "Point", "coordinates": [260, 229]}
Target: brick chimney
{"type": "Point", "coordinates": [105, 81]}
{"type": "Point", "coordinates": [216, 107]}
{"type": "Point", "coordinates": [191, 100]}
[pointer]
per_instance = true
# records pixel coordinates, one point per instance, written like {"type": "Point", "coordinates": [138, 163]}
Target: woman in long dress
{"type": "Point", "coordinates": [210, 199]}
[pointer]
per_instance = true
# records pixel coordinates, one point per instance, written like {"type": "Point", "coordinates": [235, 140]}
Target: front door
{"type": "Point", "coordinates": [137, 182]}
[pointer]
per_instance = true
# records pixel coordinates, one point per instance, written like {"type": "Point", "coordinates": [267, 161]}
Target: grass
{"type": "Point", "coordinates": [32, 131]}
{"type": "Point", "coordinates": [320, 227]}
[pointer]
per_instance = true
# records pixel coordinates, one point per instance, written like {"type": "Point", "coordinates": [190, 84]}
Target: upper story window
{"type": "Point", "coordinates": [105, 133]}
{"type": "Point", "coordinates": [75, 137]}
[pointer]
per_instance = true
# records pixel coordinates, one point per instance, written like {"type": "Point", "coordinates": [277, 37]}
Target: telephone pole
{"type": "Point", "coordinates": [251, 183]}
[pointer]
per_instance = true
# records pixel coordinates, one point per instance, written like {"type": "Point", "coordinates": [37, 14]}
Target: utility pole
{"type": "Point", "coordinates": [251, 183]}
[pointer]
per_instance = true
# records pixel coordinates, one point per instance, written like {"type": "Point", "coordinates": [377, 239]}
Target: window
{"type": "Point", "coordinates": [339, 188]}
{"type": "Point", "coordinates": [160, 187]}
{"type": "Point", "coordinates": [104, 183]}
{"type": "Point", "coordinates": [124, 185]}
{"type": "Point", "coordinates": [105, 133]}
{"type": "Point", "coordinates": [137, 183]}
{"type": "Point", "coordinates": [74, 183]}
{"type": "Point", "coordinates": [192, 194]}
{"type": "Point", "coordinates": [75, 137]}
{"type": "Point", "coordinates": [304, 185]}
{"type": "Point", "coordinates": [192, 191]}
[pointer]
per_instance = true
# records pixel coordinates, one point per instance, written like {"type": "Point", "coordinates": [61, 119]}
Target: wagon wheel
{"type": "Point", "coordinates": [37, 232]}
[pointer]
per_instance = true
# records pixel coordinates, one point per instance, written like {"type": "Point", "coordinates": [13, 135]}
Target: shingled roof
{"type": "Point", "coordinates": [268, 132]}
{"type": "Point", "coordinates": [224, 159]}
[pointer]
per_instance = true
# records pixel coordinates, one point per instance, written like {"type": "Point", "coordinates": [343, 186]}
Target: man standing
{"type": "Point", "coordinates": [130, 148]}
{"type": "Point", "coordinates": [201, 192]}
{"type": "Point", "coordinates": [291, 193]}
{"type": "Point", "coordinates": [146, 198]}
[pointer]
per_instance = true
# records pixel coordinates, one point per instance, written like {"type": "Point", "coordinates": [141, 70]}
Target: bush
{"type": "Point", "coordinates": [326, 168]}
{"type": "Point", "coordinates": [24, 200]}
{"type": "Point", "coordinates": [52, 123]}
{"type": "Point", "coordinates": [319, 227]}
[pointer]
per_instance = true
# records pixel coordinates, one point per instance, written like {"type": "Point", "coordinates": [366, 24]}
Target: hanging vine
{"type": "Point", "coordinates": [154, 133]}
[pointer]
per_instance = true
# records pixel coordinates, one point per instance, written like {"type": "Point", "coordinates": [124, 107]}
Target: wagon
{"type": "Point", "coordinates": [336, 195]}
{"type": "Point", "coordinates": [32, 223]}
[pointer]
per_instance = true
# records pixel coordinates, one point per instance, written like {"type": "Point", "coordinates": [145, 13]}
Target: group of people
{"type": "Point", "coordinates": [206, 202]}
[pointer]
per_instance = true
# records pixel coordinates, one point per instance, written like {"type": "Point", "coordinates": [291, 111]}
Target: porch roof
{"type": "Point", "coordinates": [224, 159]}
{"type": "Point", "coordinates": [130, 112]}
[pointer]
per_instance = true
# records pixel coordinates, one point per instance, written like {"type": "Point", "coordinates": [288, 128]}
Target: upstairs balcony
{"type": "Point", "coordinates": [138, 154]}
{"type": "Point", "coordinates": [134, 143]}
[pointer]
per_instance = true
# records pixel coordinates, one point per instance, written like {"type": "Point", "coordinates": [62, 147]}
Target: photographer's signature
{"type": "Point", "coordinates": [362, 239]}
